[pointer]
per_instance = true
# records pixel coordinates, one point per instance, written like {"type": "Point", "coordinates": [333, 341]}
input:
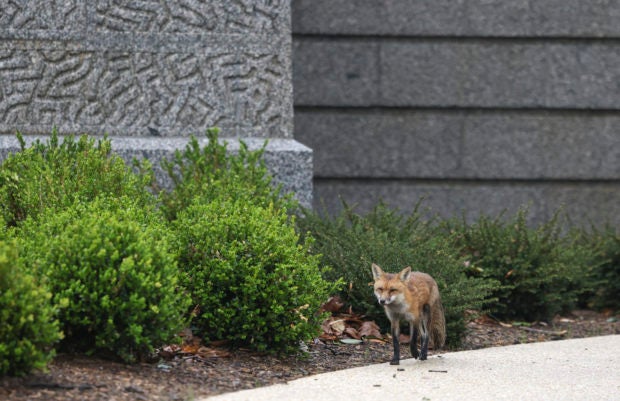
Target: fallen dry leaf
{"type": "Point", "coordinates": [370, 329]}
{"type": "Point", "coordinates": [169, 351]}
{"type": "Point", "coordinates": [347, 325]}
{"type": "Point", "coordinates": [351, 332]}
{"type": "Point", "coordinates": [485, 319]}
{"type": "Point", "coordinates": [333, 305]}
{"type": "Point", "coordinates": [190, 348]}
{"type": "Point", "coordinates": [208, 352]}
{"type": "Point", "coordinates": [338, 326]}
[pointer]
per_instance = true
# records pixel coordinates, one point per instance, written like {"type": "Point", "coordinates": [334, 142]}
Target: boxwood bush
{"type": "Point", "coordinates": [113, 277]}
{"type": "Point", "coordinates": [28, 328]}
{"type": "Point", "coordinates": [54, 175]}
{"type": "Point", "coordinates": [351, 242]}
{"type": "Point", "coordinates": [255, 284]}
{"type": "Point", "coordinates": [211, 172]}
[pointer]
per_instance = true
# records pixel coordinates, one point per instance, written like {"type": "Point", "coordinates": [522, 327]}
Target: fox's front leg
{"type": "Point", "coordinates": [413, 340]}
{"type": "Point", "coordinates": [424, 328]}
{"type": "Point", "coordinates": [395, 341]}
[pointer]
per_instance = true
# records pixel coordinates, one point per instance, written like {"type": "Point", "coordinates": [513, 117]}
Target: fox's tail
{"type": "Point", "coordinates": [438, 325]}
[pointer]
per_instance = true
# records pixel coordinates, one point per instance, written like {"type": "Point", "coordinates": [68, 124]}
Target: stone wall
{"type": "Point", "coordinates": [476, 105]}
{"type": "Point", "coordinates": [154, 71]}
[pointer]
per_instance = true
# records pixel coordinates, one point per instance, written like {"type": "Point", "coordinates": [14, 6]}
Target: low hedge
{"type": "Point", "coordinates": [212, 172]}
{"type": "Point", "coordinates": [350, 242]}
{"type": "Point", "coordinates": [28, 327]}
{"type": "Point", "coordinates": [255, 283]}
{"type": "Point", "coordinates": [55, 174]}
{"type": "Point", "coordinates": [539, 269]}
{"type": "Point", "coordinates": [113, 277]}
{"type": "Point", "coordinates": [601, 277]}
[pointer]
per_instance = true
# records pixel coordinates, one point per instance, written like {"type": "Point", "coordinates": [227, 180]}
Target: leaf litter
{"type": "Point", "coordinates": [193, 369]}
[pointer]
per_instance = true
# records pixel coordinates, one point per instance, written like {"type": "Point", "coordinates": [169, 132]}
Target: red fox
{"type": "Point", "coordinates": [414, 297]}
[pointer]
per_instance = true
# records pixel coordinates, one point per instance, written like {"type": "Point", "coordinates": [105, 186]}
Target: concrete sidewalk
{"type": "Point", "coordinates": [582, 369]}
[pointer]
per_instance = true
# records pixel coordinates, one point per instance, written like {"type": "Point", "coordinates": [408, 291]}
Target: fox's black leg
{"type": "Point", "coordinates": [426, 320]}
{"type": "Point", "coordinates": [395, 341]}
{"type": "Point", "coordinates": [413, 340]}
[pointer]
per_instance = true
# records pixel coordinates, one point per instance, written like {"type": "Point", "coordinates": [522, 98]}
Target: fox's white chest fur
{"type": "Point", "coordinates": [400, 310]}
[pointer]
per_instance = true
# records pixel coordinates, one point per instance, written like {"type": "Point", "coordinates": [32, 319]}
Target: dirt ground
{"type": "Point", "coordinates": [211, 371]}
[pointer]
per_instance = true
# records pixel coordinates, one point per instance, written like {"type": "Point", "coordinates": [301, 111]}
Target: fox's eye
{"type": "Point", "coordinates": [392, 289]}
{"type": "Point", "coordinates": [379, 289]}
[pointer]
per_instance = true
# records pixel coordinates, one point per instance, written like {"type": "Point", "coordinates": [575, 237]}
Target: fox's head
{"type": "Point", "coordinates": [389, 287]}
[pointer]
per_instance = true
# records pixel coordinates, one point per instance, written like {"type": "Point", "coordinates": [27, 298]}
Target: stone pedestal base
{"type": "Point", "coordinates": [289, 161]}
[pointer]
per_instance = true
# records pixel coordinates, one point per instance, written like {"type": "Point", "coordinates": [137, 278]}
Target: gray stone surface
{"type": "Point", "coordinates": [176, 67]}
{"type": "Point", "coordinates": [154, 70]}
{"type": "Point", "coordinates": [483, 105]}
{"type": "Point", "coordinates": [341, 72]}
{"type": "Point", "coordinates": [371, 144]}
{"type": "Point", "coordinates": [481, 74]}
{"type": "Point", "coordinates": [506, 18]}
{"type": "Point", "coordinates": [433, 144]}
{"type": "Point", "coordinates": [442, 73]}
{"type": "Point", "coordinates": [288, 161]}
{"type": "Point", "coordinates": [180, 16]}
{"type": "Point", "coordinates": [583, 202]}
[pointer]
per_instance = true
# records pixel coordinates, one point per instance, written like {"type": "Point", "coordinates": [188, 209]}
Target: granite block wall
{"type": "Point", "coordinates": [154, 71]}
{"type": "Point", "coordinates": [475, 105]}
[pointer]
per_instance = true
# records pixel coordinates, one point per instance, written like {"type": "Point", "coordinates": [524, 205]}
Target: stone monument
{"type": "Point", "coordinates": [150, 73]}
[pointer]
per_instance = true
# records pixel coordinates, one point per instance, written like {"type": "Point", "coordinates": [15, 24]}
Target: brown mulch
{"type": "Point", "coordinates": [186, 376]}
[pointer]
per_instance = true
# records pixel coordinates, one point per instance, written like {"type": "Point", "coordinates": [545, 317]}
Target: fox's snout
{"type": "Point", "coordinates": [385, 301]}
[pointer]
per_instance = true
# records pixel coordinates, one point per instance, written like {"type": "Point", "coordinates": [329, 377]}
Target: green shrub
{"type": "Point", "coordinates": [537, 267]}
{"type": "Point", "coordinates": [256, 285]}
{"type": "Point", "coordinates": [28, 328]}
{"type": "Point", "coordinates": [602, 278]}
{"type": "Point", "coordinates": [212, 172]}
{"type": "Point", "coordinates": [351, 242]}
{"type": "Point", "coordinates": [54, 175]}
{"type": "Point", "coordinates": [109, 266]}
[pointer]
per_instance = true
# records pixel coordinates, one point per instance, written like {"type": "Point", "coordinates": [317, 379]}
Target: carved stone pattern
{"type": "Point", "coordinates": [227, 16]}
{"type": "Point", "coordinates": [63, 15]}
{"type": "Point", "coordinates": [174, 92]}
{"type": "Point", "coordinates": [156, 16]}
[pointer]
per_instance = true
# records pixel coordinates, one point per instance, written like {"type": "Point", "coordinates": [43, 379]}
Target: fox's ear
{"type": "Point", "coordinates": [376, 271]}
{"type": "Point", "coordinates": [405, 273]}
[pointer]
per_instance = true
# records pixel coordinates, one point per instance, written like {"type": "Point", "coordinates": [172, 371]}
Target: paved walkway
{"type": "Point", "coordinates": [582, 369]}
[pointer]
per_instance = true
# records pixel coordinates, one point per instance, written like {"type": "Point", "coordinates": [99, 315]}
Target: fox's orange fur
{"type": "Point", "coordinates": [414, 297]}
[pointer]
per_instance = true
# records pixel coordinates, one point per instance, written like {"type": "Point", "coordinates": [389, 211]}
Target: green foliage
{"type": "Point", "coordinates": [109, 266]}
{"type": "Point", "coordinates": [88, 230]}
{"type": "Point", "coordinates": [602, 281]}
{"type": "Point", "coordinates": [54, 175]}
{"type": "Point", "coordinates": [27, 325]}
{"type": "Point", "coordinates": [255, 284]}
{"type": "Point", "coordinates": [351, 242]}
{"type": "Point", "coordinates": [537, 267]}
{"type": "Point", "coordinates": [212, 172]}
